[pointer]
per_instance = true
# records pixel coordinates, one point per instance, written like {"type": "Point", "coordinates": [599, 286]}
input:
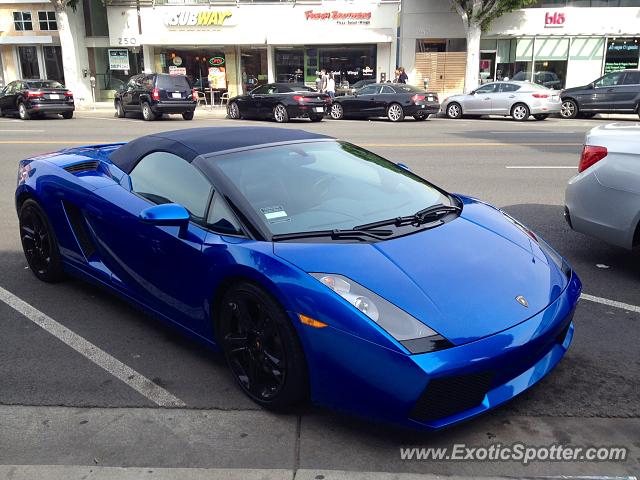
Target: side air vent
{"type": "Point", "coordinates": [83, 167]}
{"type": "Point", "coordinates": [80, 230]}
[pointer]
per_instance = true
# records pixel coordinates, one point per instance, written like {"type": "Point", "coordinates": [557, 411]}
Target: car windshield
{"type": "Point", "coordinates": [402, 88]}
{"type": "Point", "coordinates": [325, 186]}
{"type": "Point", "coordinates": [44, 84]}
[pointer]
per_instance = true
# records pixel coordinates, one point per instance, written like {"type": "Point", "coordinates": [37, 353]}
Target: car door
{"type": "Point", "coordinates": [128, 93]}
{"type": "Point", "coordinates": [7, 98]}
{"type": "Point", "coordinates": [253, 101]}
{"type": "Point", "coordinates": [268, 100]}
{"type": "Point", "coordinates": [504, 98]}
{"type": "Point", "coordinates": [383, 99]}
{"type": "Point", "coordinates": [602, 98]}
{"type": "Point", "coordinates": [626, 95]}
{"type": "Point", "coordinates": [363, 102]}
{"type": "Point", "coordinates": [161, 266]}
{"type": "Point", "coordinates": [480, 102]}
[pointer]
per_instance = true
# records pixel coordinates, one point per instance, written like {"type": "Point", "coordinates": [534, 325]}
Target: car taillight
{"type": "Point", "coordinates": [155, 94]}
{"type": "Point", "coordinates": [591, 154]}
{"type": "Point", "coordinates": [417, 98]}
{"type": "Point", "coordinates": [68, 94]}
{"type": "Point", "coordinates": [35, 94]}
{"type": "Point", "coordinates": [194, 92]}
{"type": "Point", "coordinates": [299, 98]}
{"type": "Point", "coordinates": [540, 95]}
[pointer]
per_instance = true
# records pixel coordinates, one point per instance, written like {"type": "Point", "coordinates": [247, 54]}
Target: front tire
{"type": "Point", "coordinates": [261, 347]}
{"type": "Point", "coordinates": [569, 109]}
{"type": "Point", "coordinates": [541, 116]}
{"type": "Point", "coordinates": [23, 113]}
{"type": "Point", "coordinates": [67, 115]}
{"type": "Point", "coordinates": [454, 110]}
{"type": "Point", "coordinates": [520, 112]}
{"type": "Point", "coordinates": [395, 113]}
{"type": "Point", "coordinates": [187, 115]}
{"type": "Point", "coordinates": [39, 242]}
{"type": "Point", "coordinates": [336, 112]}
{"type": "Point", "coordinates": [280, 113]}
{"type": "Point", "coordinates": [120, 113]}
{"type": "Point", "coordinates": [147, 113]}
{"type": "Point", "coordinates": [234, 111]}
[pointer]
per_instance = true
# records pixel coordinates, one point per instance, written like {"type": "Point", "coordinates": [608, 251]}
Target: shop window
{"type": "Point", "coordinates": [22, 21]}
{"type": "Point", "coordinates": [289, 65]}
{"type": "Point", "coordinates": [622, 53]}
{"type": "Point", "coordinates": [429, 45]}
{"type": "Point", "coordinates": [95, 18]}
{"type": "Point", "coordinates": [53, 62]}
{"type": "Point", "coordinates": [253, 66]}
{"type": "Point", "coordinates": [28, 57]}
{"type": "Point", "coordinates": [349, 64]}
{"type": "Point", "coordinates": [47, 20]}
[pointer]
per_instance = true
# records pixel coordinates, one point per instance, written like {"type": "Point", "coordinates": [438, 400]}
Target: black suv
{"type": "Point", "coordinates": [615, 92]}
{"type": "Point", "coordinates": [156, 94]}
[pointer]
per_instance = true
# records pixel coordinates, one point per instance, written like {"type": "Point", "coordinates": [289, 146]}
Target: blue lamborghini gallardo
{"type": "Point", "coordinates": [319, 269]}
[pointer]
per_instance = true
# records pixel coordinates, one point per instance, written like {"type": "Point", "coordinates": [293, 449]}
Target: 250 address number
{"type": "Point", "coordinates": [127, 41]}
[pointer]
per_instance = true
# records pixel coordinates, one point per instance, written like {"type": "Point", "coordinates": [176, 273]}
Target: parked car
{"type": "Point", "coordinates": [36, 97]}
{"type": "Point", "coordinates": [544, 78]}
{"type": "Point", "coordinates": [280, 102]}
{"type": "Point", "coordinates": [155, 95]}
{"type": "Point", "coordinates": [321, 270]}
{"type": "Point", "coordinates": [346, 89]}
{"type": "Point", "coordinates": [615, 92]}
{"type": "Point", "coordinates": [392, 100]}
{"type": "Point", "coordinates": [516, 99]}
{"type": "Point", "coordinates": [603, 200]}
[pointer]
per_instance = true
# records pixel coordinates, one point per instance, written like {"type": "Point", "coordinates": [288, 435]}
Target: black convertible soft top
{"type": "Point", "coordinates": [192, 142]}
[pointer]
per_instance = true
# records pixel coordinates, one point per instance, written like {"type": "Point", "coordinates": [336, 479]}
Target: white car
{"type": "Point", "coordinates": [516, 99]}
{"type": "Point", "coordinates": [603, 200]}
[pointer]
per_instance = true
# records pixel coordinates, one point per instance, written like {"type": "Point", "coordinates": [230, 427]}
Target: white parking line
{"type": "Point", "coordinates": [22, 131]}
{"type": "Point", "coordinates": [611, 303]}
{"type": "Point", "coordinates": [532, 167]}
{"type": "Point", "coordinates": [115, 367]}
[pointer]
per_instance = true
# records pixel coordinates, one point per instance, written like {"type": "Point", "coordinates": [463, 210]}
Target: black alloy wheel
{"type": "Point", "coordinates": [261, 347]}
{"type": "Point", "coordinates": [39, 242]}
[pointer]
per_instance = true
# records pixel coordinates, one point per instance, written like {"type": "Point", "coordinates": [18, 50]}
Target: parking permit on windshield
{"type": "Point", "coordinates": [273, 213]}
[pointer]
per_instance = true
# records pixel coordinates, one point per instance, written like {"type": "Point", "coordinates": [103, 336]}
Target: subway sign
{"type": "Point", "coordinates": [197, 18]}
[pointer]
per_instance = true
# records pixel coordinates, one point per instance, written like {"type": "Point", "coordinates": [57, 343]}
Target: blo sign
{"type": "Point", "coordinates": [202, 18]}
{"type": "Point", "coordinates": [554, 20]}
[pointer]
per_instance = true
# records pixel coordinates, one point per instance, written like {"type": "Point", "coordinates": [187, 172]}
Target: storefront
{"type": "Point", "coordinates": [29, 43]}
{"type": "Point", "coordinates": [253, 44]}
{"type": "Point", "coordinates": [556, 47]}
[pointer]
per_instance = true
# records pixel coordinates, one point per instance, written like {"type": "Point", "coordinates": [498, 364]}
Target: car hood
{"type": "Point", "coordinates": [461, 279]}
{"type": "Point", "coordinates": [574, 89]}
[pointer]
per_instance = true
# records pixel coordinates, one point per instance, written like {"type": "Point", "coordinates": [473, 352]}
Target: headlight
{"type": "Point", "coordinates": [410, 332]}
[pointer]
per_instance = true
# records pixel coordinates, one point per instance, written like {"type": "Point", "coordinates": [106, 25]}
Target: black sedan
{"type": "Point", "coordinates": [392, 100]}
{"type": "Point", "coordinates": [28, 98]}
{"type": "Point", "coordinates": [280, 101]}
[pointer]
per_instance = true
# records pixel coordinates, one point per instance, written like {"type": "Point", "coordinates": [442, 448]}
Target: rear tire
{"type": "Point", "coordinates": [147, 113]}
{"type": "Point", "coordinates": [454, 110]}
{"type": "Point", "coordinates": [261, 347]}
{"type": "Point", "coordinates": [336, 112]}
{"type": "Point", "coordinates": [67, 115]}
{"type": "Point", "coordinates": [187, 115]}
{"type": "Point", "coordinates": [120, 113]}
{"type": "Point", "coordinates": [23, 113]}
{"type": "Point", "coordinates": [541, 116]}
{"type": "Point", "coordinates": [395, 112]}
{"type": "Point", "coordinates": [280, 113]}
{"type": "Point", "coordinates": [520, 112]}
{"type": "Point", "coordinates": [39, 242]}
{"type": "Point", "coordinates": [569, 108]}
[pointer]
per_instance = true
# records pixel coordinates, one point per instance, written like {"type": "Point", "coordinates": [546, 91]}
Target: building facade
{"type": "Point", "coordinates": [559, 43]}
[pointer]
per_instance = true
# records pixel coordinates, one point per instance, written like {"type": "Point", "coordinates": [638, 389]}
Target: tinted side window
{"type": "Point", "coordinates": [632, 78]}
{"type": "Point", "coordinates": [509, 87]}
{"type": "Point", "coordinates": [610, 79]}
{"type": "Point", "coordinates": [368, 90]}
{"type": "Point", "coordinates": [148, 83]}
{"type": "Point", "coordinates": [386, 89]}
{"type": "Point", "coordinates": [163, 177]}
{"type": "Point", "coordinates": [490, 88]}
{"type": "Point", "coordinates": [261, 90]}
{"type": "Point", "coordinates": [221, 219]}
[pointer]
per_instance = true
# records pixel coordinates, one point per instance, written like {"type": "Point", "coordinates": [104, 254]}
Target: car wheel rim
{"type": "Point", "coordinates": [336, 111]}
{"type": "Point", "coordinates": [36, 241]}
{"type": "Point", "coordinates": [233, 111]}
{"type": "Point", "coordinates": [279, 113]}
{"type": "Point", "coordinates": [454, 111]}
{"type": "Point", "coordinates": [519, 112]}
{"type": "Point", "coordinates": [394, 113]}
{"type": "Point", "coordinates": [22, 111]}
{"type": "Point", "coordinates": [567, 109]}
{"type": "Point", "coordinates": [253, 347]}
{"type": "Point", "coordinates": [145, 111]}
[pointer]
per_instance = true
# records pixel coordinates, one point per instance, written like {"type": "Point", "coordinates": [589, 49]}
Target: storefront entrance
{"type": "Point", "coordinates": [487, 67]}
{"type": "Point", "coordinates": [194, 63]}
{"type": "Point", "coordinates": [253, 67]}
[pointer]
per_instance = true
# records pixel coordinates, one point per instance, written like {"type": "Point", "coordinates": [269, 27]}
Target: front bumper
{"type": "Point", "coordinates": [51, 108]}
{"type": "Point", "coordinates": [361, 378]}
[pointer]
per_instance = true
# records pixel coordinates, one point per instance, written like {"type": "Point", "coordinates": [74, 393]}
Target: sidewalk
{"type": "Point", "coordinates": [102, 108]}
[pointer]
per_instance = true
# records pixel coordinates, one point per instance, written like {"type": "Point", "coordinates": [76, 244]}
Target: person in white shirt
{"type": "Point", "coordinates": [331, 86]}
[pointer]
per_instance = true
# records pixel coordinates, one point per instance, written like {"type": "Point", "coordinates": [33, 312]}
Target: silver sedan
{"type": "Point", "coordinates": [516, 99]}
{"type": "Point", "coordinates": [603, 200]}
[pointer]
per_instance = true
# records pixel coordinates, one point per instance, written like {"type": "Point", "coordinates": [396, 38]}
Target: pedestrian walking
{"type": "Point", "coordinates": [319, 81]}
{"type": "Point", "coordinates": [403, 77]}
{"type": "Point", "coordinates": [324, 79]}
{"type": "Point", "coordinates": [331, 86]}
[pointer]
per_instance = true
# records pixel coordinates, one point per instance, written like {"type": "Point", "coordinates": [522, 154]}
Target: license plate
{"type": "Point", "coordinates": [176, 95]}
{"type": "Point", "coordinates": [54, 97]}
{"type": "Point", "coordinates": [554, 97]}
{"type": "Point", "coordinates": [430, 98]}
{"type": "Point", "coordinates": [319, 109]}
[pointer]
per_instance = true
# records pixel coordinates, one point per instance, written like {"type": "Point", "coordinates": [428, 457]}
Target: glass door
{"type": "Point", "coordinates": [28, 57]}
{"type": "Point", "coordinates": [487, 67]}
{"type": "Point", "coordinates": [253, 67]}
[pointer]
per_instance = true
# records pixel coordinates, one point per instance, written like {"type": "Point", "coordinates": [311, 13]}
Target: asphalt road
{"type": "Point", "coordinates": [57, 407]}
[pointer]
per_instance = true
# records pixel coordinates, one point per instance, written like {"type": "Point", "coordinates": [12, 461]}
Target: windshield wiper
{"type": "Point", "coordinates": [433, 212]}
{"type": "Point", "coordinates": [334, 234]}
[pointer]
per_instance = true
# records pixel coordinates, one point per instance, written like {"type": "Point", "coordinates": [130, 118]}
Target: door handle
{"type": "Point", "coordinates": [512, 96]}
{"type": "Point", "coordinates": [487, 98]}
{"type": "Point", "coordinates": [610, 89]}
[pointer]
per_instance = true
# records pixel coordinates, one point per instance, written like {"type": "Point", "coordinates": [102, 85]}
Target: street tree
{"type": "Point", "coordinates": [69, 57]}
{"type": "Point", "coordinates": [476, 16]}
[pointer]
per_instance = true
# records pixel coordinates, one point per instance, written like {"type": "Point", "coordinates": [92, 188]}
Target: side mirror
{"type": "Point", "coordinates": [592, 85]}
{"type": "Point", "coordinates": [472, 92]}
{"type": "Point", "coordinates": [404, 166]}
{"type": "Point", "coordinates": [166, 214]}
